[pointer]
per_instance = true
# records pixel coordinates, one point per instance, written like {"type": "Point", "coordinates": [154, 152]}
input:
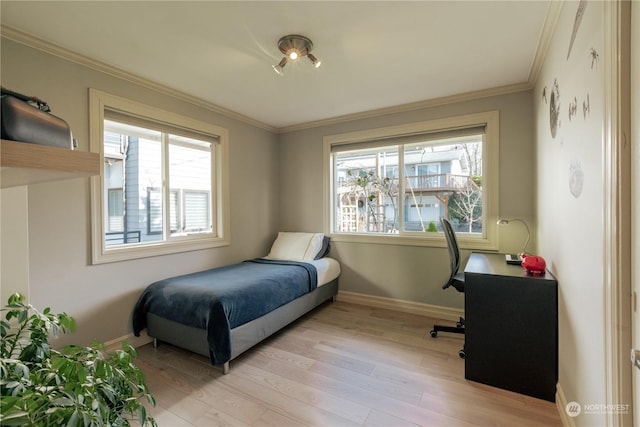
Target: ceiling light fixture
{"type": "Point", "coordinates": [295, 47]}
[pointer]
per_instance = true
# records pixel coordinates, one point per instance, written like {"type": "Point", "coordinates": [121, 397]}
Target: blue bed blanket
{"type": "Point", "coordinates": [223, 298]}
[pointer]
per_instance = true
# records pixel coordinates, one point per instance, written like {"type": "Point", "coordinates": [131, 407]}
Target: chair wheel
{"type": "Point", "coordinates": [433, 334]}
{"type": "Point", "coordinates": [461, 353]}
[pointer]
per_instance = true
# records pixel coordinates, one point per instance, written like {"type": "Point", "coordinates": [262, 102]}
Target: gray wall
{"type": "Point", "coordinates": [407, 272]}
{"type": "Point", "coordinates": [576, 259]}
{"type": "Point", "coordinates": [101, 297]}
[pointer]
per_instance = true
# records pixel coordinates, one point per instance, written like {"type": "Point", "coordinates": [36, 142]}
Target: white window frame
{"type": "Point", "coordinates": [99, 102]}
{"type": "Point", "coordinates": [488, 240]}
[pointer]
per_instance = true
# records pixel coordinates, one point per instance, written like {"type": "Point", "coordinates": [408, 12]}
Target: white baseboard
{"type": "Point", "coordinates": [428, 310]}
{"type": "Point", "coordinates": [561, 404]}
{"type": "Point", "coordinates": [135, 341]}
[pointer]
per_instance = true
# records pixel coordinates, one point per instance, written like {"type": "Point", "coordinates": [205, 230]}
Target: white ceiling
{"type": "Point", "coordinates": [374, 55]}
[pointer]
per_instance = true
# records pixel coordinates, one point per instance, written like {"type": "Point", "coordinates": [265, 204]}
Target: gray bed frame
{"type": "Point", "coordinates": [244, 336]}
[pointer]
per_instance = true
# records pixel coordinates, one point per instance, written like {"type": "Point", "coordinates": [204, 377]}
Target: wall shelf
{"type": "Point", "coordinates": [23, 164]}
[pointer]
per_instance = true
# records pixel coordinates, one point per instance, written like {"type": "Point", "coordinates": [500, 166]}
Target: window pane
{"type": "Point", "coordinates": [367, 191]}
{"type": "Point", "coordinates": [116, 210]}
{"type": "Point", "coordinates": [154, 209]}
{"type": "Point", "coordinates": [196, 211]}
{"type": "Point", "coordinates": [174, 210]}
{"type": "Point", "coordinates": [133, 165]}
{"type": "Point", "coordinates": [190, 176]}
{"type": "Point", "coordinates": [443, 179]}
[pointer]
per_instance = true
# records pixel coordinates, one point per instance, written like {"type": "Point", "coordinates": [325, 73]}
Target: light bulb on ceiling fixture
{"type": "Point", "coordinates": [315, 61]}
{"type": "Point", "coordinates": [293, 55]}
{"type": "Point", "coordinates": [280, 67]}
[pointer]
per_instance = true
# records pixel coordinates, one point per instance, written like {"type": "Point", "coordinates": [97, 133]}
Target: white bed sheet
{"type": "Point", "coordinates": [328, 269]}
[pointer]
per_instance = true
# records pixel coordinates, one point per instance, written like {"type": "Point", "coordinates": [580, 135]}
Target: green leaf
{"type": "Point", "coordinates": [63, 401]}
{"type": "Point", "coordinates": [73, 419]}
{"type": "Point", "coordinates": [151, 399]}
{"type": "Point", "coordinates": [16, 299]}
{"type": "Point", "coordinates": [14, 419]}
{"type": "Point", "coordinates": [142, 414]}
{"type": "Point", "coordinates": [86, 419]}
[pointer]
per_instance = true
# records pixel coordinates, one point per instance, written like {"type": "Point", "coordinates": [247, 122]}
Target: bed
{"type": "Point", "coordinates": [222, 312]}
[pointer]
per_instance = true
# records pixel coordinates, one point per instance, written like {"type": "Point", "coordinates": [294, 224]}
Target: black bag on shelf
{"type": "Point", "coordinates": [28, 119]}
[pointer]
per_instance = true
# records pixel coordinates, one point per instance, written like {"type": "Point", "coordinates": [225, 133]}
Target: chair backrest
{"type": "Point", "coordinates": [454, 251]}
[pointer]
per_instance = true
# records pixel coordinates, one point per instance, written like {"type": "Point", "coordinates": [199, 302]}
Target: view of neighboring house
{"type": "Point", "coordinates": [410, 187]}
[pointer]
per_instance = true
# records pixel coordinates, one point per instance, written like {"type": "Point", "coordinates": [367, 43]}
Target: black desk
{"type": "Point", "coordinates": [511, 327]}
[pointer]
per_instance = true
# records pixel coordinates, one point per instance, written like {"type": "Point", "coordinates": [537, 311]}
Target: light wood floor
{"type": "Point", "coordinates": [341, 365]}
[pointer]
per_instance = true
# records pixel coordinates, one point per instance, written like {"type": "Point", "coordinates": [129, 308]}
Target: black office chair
{"type": "Point", "coordinates": [455, 279]}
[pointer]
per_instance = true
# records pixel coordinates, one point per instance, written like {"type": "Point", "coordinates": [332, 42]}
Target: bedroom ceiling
{"type": "Point", "coordinates": [375, 55]}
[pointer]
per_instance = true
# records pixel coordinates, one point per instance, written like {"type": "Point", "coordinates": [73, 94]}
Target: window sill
{"type": "Point", "coordinates": [130, 252]}
{"type": "Point", "coordinates": [435, 240]}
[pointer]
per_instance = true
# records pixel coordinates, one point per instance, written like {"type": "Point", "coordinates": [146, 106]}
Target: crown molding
{"type": "Point", "coordinates": [551, 20]}
{"type": "Point", "coordinates": [467, 96]}
{"type": "Point", "coordinates": [61, 52]}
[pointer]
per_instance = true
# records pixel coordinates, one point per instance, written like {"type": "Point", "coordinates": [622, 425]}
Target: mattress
{"type": "Point", "coordinates": [328, 269]}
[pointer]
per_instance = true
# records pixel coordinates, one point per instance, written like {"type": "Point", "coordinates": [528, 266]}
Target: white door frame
{"type": "Point", "coordinates": [635, 199]}
{"type": "Point", "coordinates": [617, 209]}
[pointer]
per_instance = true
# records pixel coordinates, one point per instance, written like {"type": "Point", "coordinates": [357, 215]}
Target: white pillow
{"type": "Point", "coordinates": [296, 246]}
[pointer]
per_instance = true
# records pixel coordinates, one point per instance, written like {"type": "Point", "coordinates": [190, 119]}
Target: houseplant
{"type": "Point", "coordinates": [75, 386]}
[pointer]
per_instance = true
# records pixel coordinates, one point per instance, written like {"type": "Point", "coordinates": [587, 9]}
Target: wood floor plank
{"type": "Point", "coordinates": [274, 419]}
{"type": "Point", "coordinates": [215, 418]}
{"type": "Point", "coordinates": [283, 404]}
{"type": "Point", "coordinates": [382, 419]}
{"type": "Point", "coordinates": [351, 388]}
{"type": "Point", "coordinates": [183, 405]}
{"type": "Point", "coordinates": [302, 392]}
{"type": "Point", "coordinates": [307, 349]}
{"type": "Point", "coordinates": [341, 365]}
{"type": "Point", "coordinates": [223, 403]}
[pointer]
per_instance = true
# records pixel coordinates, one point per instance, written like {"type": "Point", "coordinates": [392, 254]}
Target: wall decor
{"type": "Point", "coordinates": [554, 108]}
{"type": "Point", "coordinates": [593, 54]}
{"type": "Point", "coordinates": [573, 108]}
{"type": "Point", "coordinates": [576, 178]}
{"type": "Point", "coordinates": [586, 109]}
{"type": "Point", "coordinates": [576, 24]}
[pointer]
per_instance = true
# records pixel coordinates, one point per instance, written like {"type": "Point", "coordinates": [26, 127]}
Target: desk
{"type": "Point", "coordinates": [511, 327]}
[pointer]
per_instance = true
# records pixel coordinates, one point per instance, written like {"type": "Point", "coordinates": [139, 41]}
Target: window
{"type": "Point", "coordinates": [392, 185]}
{"type": "Point", "coordinates": [163, 186]}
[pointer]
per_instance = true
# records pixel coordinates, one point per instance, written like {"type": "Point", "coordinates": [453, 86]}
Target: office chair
{"type": "Point", "coordinates": [455, 279]}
